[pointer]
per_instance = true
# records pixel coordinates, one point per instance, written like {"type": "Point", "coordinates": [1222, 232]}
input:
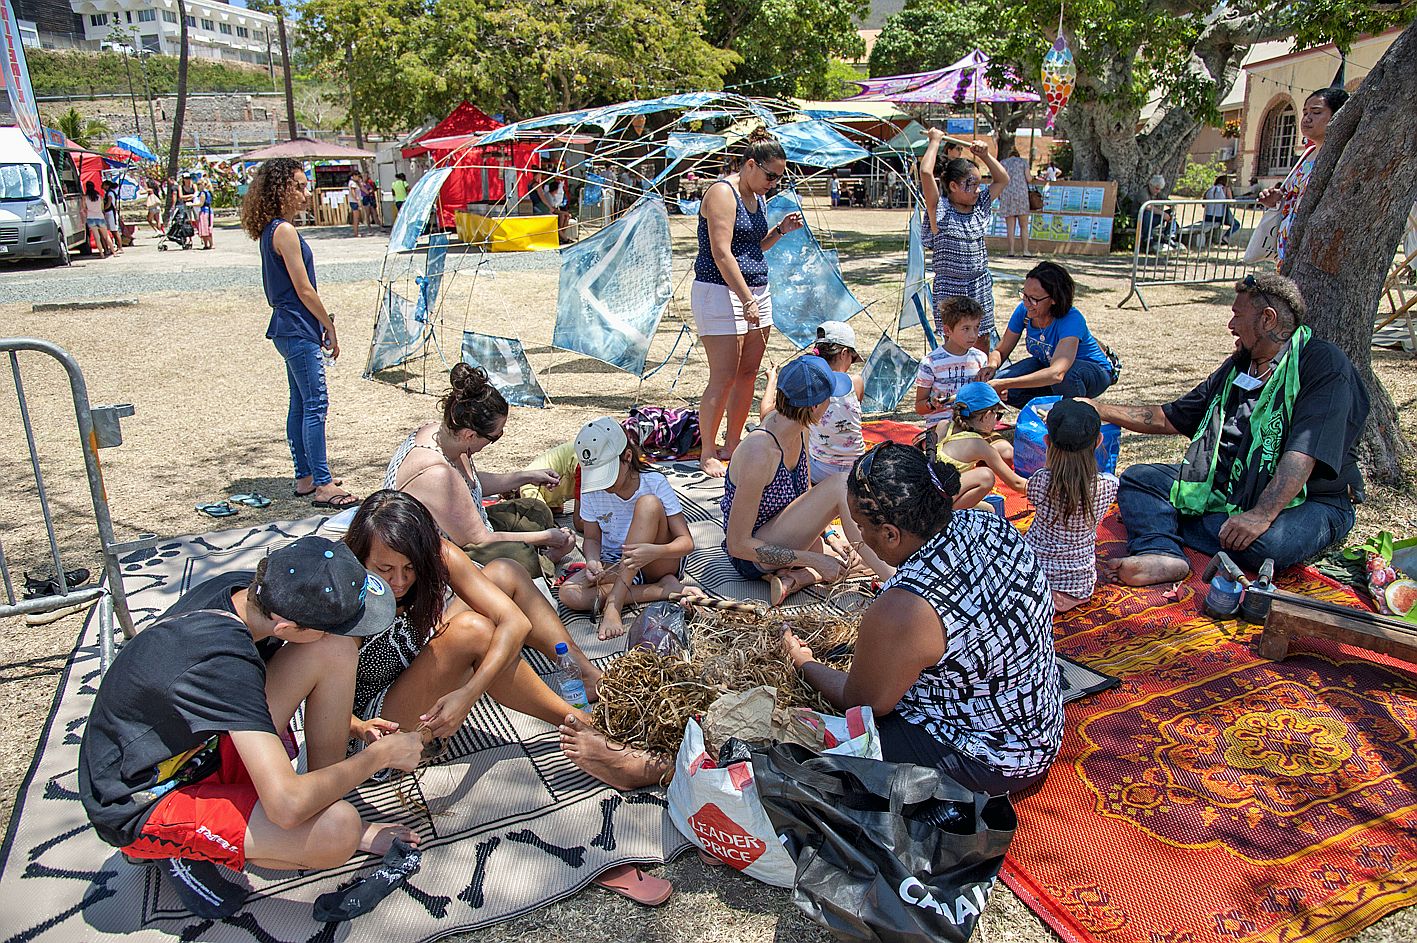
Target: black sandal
{"type": "Point", "coordinates": [340, 502]}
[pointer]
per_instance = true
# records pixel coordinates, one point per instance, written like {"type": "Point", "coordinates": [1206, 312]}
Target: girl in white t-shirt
{"type": "Point", "coordinates": [636, 537]}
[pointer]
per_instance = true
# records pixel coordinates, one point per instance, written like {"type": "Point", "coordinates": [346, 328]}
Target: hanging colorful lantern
{"type": "Point", "coordinates": [1060, 74]}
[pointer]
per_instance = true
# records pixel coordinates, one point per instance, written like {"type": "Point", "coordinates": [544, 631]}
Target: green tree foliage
{"type": "Point", "coordinates": [1197, 178]}
{"type": "Point", "coordinates": [412, 60]}
{"type": "Point", "coordinates": [833, 84]}
{"type": "Point", "coordinates": [84, 132]}
{"type": "Point", "coordinates": [783, 43]}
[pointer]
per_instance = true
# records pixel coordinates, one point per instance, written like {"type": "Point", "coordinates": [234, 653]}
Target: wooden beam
{"type": "Point", "coordinates": [1288, 619]}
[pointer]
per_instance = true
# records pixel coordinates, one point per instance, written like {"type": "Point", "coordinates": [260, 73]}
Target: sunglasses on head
{"type": "Point", "coordinates": [1252, 285]}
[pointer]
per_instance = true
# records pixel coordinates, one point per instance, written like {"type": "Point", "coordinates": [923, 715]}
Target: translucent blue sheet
{"type": "Point", "coordinates": [687, 143]}
{"type": "Point", "coordinates": [889, 374]}
{"type": "Point", "coordinates": [917, 310]}
{"type": "Point", "coordinates": [432, 278]}
{"type": "Point", "coordinates": [817, 144]}
{"type": "Point", "coordinates": [414, 214]}
{"type": "Point", "coordinates": [507, 368]}
{"type": "Point", "coordinates": [807, 287]}
{"type": "Point", "coordinates": [615, 287]}
{"type": "Point", "coordinates": [604, 117]}
{"type": "Point", "coordinates": [397, 336]}
{"type": "Point", "coordinates": [594, 190]}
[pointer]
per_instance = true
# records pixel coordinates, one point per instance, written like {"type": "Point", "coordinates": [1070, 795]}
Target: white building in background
{"type": "Point", "coordinates": [215, 29]}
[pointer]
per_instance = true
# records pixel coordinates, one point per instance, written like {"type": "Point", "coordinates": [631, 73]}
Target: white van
{"type": "Point", "coordinates": [41, 213]}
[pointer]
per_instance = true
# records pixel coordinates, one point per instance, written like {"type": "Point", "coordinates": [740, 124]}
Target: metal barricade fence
{"type": "Point", "coordinates": [1191, 242]}
{"type": "Point", "coordinates": [98, 427]}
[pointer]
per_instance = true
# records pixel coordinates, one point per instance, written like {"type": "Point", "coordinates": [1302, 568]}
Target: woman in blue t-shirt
{"type": "Point", "coordinates": [300, 327]}
{"type": "Point", "coordinates": [1064, 359]}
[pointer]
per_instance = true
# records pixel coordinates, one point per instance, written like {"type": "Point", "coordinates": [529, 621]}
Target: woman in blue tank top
{"type": "Point", "coordinates": [300, 327]}
{"type": "Point", "coordinates": [730, 299]}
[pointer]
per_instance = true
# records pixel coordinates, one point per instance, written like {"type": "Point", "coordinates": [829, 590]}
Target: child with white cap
{"type": "Point", "coordinates": [636, 537]}
{"type": "Point", "coordinates": [834, 442]}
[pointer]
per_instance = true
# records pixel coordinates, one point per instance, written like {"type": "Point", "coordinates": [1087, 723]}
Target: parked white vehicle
{"type": "Point", "coordinates": [41, 212]}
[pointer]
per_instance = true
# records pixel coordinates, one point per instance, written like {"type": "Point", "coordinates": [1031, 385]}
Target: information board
{"type": "Point", "coordinates": [1076, 219]}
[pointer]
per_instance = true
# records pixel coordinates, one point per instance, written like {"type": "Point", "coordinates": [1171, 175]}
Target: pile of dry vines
{"type": "Point", "coordinates": [646, 698]}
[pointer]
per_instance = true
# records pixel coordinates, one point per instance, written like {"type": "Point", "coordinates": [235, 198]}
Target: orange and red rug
{"type": "Point", "coordinates": [1215, 796]}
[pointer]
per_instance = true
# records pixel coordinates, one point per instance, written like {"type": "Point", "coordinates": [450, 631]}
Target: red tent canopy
{"type": "Point", "coordinates": [467, 118]}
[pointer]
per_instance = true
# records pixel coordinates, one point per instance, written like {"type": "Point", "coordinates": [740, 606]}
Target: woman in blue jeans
{"type": "Point", "coordinates": [1064, 359]}
{"type": "Point", "coordinates": [300, 327]}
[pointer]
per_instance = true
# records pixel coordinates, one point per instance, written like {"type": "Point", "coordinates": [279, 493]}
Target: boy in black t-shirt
{"type": "Point", "coordinates": [182, 760]}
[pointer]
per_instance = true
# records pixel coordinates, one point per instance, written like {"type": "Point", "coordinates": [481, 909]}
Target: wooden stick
{"type": "Point", "coordinates": [713, 602]}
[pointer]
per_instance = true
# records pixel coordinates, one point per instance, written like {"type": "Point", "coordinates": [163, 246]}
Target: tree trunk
{"type": "Point", "coordinates": [179, 114]}
{"type": "Point", "coordinates": [1006, 117]}
{"type": "Point", "coordinates": [353, 100]}
{"type": "Point", "coordinates": [1347, 226]}
{"type": "Point", "coordinates": [294, 131]}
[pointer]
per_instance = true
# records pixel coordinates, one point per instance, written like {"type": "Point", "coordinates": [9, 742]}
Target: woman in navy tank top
{"type": "Point", "coordinates": [300, 327]}
{"type": "Point", "coordinates": [730, 299]}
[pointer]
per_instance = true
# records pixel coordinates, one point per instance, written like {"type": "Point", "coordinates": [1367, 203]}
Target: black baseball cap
{"type": "Point", "coordinates": [1073, 425]}
{"type": "Point", "coordinates": [320, 584]}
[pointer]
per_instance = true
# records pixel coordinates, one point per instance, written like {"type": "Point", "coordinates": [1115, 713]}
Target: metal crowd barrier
{"type": "Point", "coordinates": [1191, 242]}
{"type": "Point", "coordinates": [98, 428]}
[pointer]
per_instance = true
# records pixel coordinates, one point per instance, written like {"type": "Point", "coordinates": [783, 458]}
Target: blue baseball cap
{"type": "Point", "coordinates": [976, 397]}
{"type": "Point", "coordinates": [808, 381]}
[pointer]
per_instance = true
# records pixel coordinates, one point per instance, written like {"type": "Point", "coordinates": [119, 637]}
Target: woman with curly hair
{"type": "Point", "coordinates": [300, 327]}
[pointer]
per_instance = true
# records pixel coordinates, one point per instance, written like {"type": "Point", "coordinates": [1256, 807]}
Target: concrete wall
{"type": "Point", "coordinates": [210, 122]}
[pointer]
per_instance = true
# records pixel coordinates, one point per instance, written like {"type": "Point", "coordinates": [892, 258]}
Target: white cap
{"type": "Point", "coordinates": [598, 449]}
{"type": "Point", "coordinates": [837, 332]}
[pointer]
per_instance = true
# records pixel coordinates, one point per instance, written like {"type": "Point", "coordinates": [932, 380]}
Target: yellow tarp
{"type": "Point", "coordinates": [508, 233]}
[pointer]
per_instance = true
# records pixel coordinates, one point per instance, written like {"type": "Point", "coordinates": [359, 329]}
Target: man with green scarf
{"type": "Point", "coordinates": [1271, 469]}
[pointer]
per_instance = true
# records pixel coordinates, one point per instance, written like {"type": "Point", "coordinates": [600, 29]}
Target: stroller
{"type": "Point", "coordinates": [179, 229]}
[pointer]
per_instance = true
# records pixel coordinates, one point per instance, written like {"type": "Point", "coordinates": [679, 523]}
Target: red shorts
{"type": "Point", "coordinates": [206, 820]}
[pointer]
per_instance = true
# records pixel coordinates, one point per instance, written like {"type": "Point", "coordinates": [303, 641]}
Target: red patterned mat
{"type": "Point", "coordinates": [1215, 796]}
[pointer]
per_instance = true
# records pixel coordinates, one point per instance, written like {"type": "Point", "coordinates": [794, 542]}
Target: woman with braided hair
{"type": "Point", "coordinates": [955, 657]}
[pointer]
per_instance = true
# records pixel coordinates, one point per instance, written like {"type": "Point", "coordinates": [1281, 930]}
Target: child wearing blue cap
{"type": "Point", "coordinates": [773, 514]}
{"type": "Point", "coordinates": [966, 444]}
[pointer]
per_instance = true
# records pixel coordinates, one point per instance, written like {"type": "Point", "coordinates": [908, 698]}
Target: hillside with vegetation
{"type": "Point", "coordinates": [75, 72]}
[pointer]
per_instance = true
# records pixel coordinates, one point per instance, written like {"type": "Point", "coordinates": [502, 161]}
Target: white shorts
{"type": "Point", "coordinates": [717, 311]}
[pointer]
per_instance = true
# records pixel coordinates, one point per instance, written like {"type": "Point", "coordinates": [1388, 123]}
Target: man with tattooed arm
{"type": "Point", "coordinates": [1271, 470]}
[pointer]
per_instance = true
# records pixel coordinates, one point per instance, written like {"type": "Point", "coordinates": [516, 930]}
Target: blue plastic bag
{"type": "Point", "coordinates": [1030, 452]}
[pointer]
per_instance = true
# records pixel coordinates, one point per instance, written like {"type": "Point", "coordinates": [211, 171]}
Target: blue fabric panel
{"type": "Point", "coordinates": [396, 337]}
{"type": "Point", "coordinates": [918, 306]}
{"type": "Point", "coordinates": [615, 287]}
{"type": "Point", "coordinates": [594, 190]}
{"type": "Point", "coordinates": [807, 287]}
{"type": "Point", "coordinates": [817, 144]}
{"type": "Point", "coordinates": [507, 367]}
{"type": "Point", "coordinates": [686, 143]}
{"type": "Point", "coordinates": [889, 374]}
{"type": "Point", "coordinates": [414, 215]}
{"type": "Point", "coordinates": [690, 207]}
{"type": "Point", "coordinates": [432, 278]}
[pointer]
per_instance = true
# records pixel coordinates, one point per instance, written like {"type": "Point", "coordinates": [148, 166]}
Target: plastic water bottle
{"type": "Point", "coordinates": [568, 678]}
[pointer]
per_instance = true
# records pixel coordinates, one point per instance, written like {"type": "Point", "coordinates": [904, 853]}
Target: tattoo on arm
{"type": "Point", "coordinates": [1290, 476]}
{"type": "Point", "coordinates": [771, 555]}
{"type": "Point", "coordinates": [1145, 418]}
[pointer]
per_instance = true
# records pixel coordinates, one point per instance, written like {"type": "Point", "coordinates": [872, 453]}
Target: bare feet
{"type": "Point", "coordinates": [305, 486]}
{"type": "Point", "coordinates": [611, 624]}
{"type": "Point", "coordinates": [612, 763]}
{"type": "Point", "coordinates": [669, 585]}
{"type": "Point", "coordinates": [1147, 569]}
{"type": "Point", "coordinates": [786, 582]}
{"type": "Point", "coordinates": [1062, 602]}
{"type": "Point", "coordinates": [713, 467]}
{"type": "Point", "coordinates": [379, 836]}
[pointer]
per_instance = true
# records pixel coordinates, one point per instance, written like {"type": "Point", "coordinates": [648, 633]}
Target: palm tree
{"type": "Point", "coordinates": [84, 132]}
{"type": "Point", "coordinates": [174, 154]}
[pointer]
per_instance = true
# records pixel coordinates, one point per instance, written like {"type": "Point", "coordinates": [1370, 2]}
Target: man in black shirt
{"type": "Point", "coordinates": [185, 755]}
{"type": "Point", "coordinates": [1271, 471]}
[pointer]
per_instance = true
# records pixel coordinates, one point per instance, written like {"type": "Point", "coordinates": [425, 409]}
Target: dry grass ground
{"type": "Point", "coordinates": [210, 396]}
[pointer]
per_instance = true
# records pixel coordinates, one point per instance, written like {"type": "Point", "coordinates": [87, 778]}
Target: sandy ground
{"type": "Point", "coordinates": [210, 397]}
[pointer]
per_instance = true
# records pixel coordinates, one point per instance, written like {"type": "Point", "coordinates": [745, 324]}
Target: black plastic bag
{"type": "Point", "coordinates": [885, 851]}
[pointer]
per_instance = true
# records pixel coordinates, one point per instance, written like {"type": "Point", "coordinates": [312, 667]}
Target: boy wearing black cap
{"type": "Point", "coordinates": [181, 759]}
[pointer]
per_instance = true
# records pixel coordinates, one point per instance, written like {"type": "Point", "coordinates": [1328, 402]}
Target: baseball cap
{"type": "Point", "coordinates": [598, 448]}
{"type": "Point", "coordinates": [974, 397]}
{"type": "Point", "coordinates": [808, 381]}
{"type": "Point", "coordinates": [1073, 425]}
{"type": "Point", "coordinates": [320, 584]}
{"type": "Point", "coordinates": [839, 333]}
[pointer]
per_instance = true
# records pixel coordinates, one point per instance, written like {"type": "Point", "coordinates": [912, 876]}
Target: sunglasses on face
{"type": "Point", "coordinates": [494, 437]}
{"type": "Point", "coordinates": [772, 177]}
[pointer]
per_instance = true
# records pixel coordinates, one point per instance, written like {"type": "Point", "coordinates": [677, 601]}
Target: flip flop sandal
{"type": "Point", "coordinates": [253, 500]}
{"type": "Point", "coordinates": [340, 502]}
{"type": "Point", "coordinates": [217, 509]}
{"type": "Point", "coordinates": [630, 882]}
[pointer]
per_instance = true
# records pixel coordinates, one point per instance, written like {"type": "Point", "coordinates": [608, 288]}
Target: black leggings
{"type": "Point", "coordinates": [904, 742]}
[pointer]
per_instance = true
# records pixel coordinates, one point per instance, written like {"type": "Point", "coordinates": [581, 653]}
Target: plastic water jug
{"type": "Point", "coordinates": [1030, 452]}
